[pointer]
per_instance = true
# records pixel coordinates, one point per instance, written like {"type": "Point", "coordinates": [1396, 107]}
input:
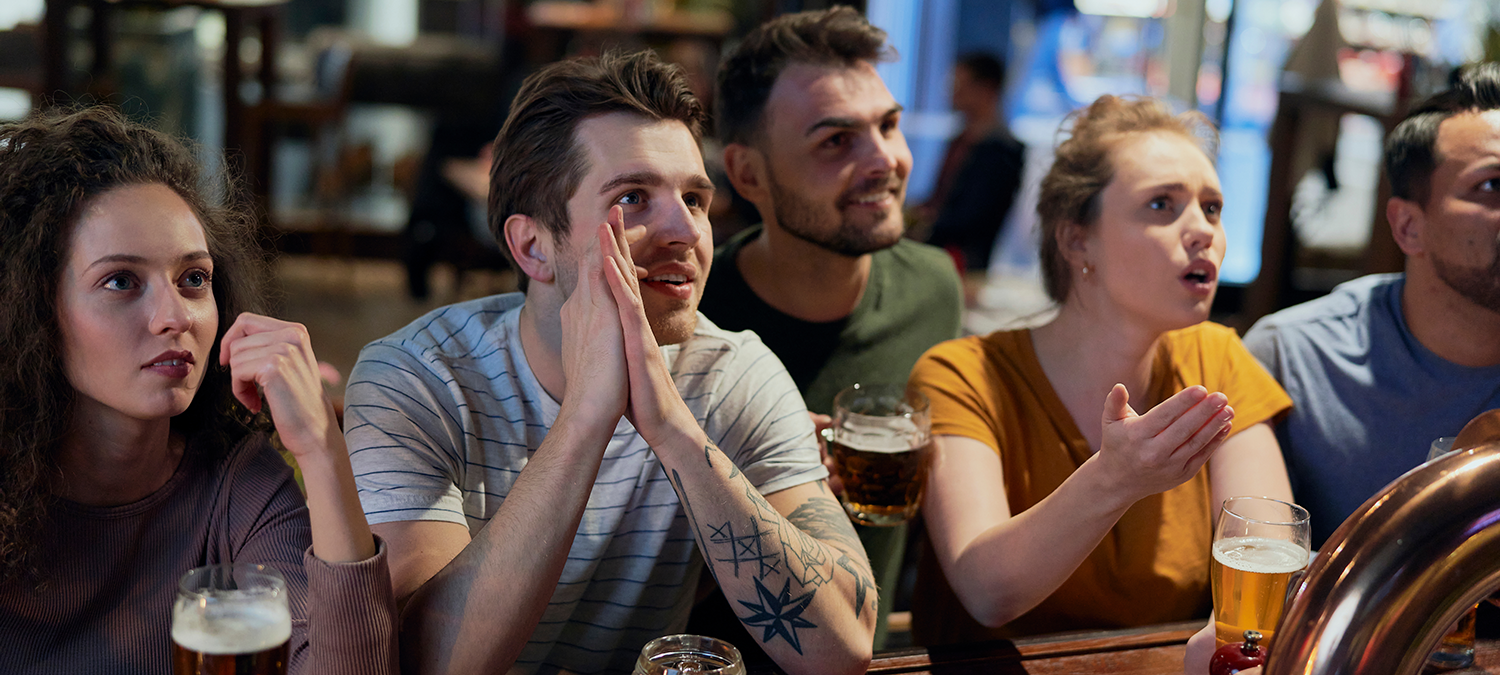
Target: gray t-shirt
{"type": "Point", "coordinates": [1368, 398]}
{"type": "Point", "coordinates": [443, 415]}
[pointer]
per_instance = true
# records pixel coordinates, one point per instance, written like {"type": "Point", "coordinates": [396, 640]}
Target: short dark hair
{"type": "Point", "coordinates": [1411, 149]}
{"type": "Point", "coordinates": [985, 68]}
{"type": "Point", "coordinates": [836, 36]}
{"type": "Point", "coordinates": [51, 167]}
{"type": "Point", "coordinates": [537, 162]}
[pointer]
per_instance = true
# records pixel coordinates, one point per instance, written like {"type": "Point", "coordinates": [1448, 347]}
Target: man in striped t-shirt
{"type": "Point", "coordinates": [550, 469]}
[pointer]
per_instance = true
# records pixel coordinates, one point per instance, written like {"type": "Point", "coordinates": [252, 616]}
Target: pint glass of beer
{"type": "Point", "coordinates": [881, 439]}
{"type": "Point", "coordinates": [689, 655]}
{"type": "Point", "coordinates": [1259, 545]}
{"type": "Point", "coordinates": [231, 620]}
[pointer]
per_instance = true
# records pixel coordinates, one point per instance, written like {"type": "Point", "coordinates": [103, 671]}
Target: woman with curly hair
{"type": "Point", "coordinates": [1051, 504]}
{"type": "Point", "coordinates": [134, 394]}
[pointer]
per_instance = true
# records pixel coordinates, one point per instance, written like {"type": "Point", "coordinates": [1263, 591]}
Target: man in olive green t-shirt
{"type": "Point", "coordinates": [812, 138]}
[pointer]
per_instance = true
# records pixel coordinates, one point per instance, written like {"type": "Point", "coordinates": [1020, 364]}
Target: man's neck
{"type": "Point", "coordinates": [801, 279]}
{"type": "Point", "coordinates": [541, 344]}
{"type": "Point", "coordinates": [1447, 323]}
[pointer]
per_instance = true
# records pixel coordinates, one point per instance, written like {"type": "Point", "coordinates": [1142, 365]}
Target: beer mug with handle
{"type": "Point", "coordinates": [1259, 545]}
{"type": "Point", "coordinates": [231, 619]}
{"type": "Point", "coordinates": [880, 439]}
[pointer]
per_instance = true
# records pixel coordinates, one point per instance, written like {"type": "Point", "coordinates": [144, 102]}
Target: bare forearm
{"type": "Point", "coordinates": [1013, 566]}
{"type": "Point", "coordinates": [800, 582]}
{"type": "Point", "coordinates": [476, 614]}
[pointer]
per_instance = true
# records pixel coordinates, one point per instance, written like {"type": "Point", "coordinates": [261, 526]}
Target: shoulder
{"type": "Point", "coordinates": [714, 347]}
{"type": "Point", "coordinates": [1205, 334]}
{"type": "Point", "coordinates": [919, 266]}
{"type": "Point", "coordinates": [455, 329]}
{"type": "Point", "coordinates": [1342, 316]}
{"type": "Point", "coordinates": [966, 355]}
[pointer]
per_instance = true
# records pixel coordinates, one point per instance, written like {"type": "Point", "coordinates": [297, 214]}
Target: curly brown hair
{"type": "Point", "coordinates": [1082, 168]}
{"type": "Point", "coordinates": [51, 166]}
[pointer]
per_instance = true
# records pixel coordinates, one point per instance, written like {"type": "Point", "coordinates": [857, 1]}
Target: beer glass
{"type": "Point", "coordinates": [1259, 545]}
{"type": "Point", "coordinates": [1456, 650]}
{"type": "Point", "coordinates": [880, 440]}
{"type": "Point", "coordinates": [231, 620]}
{"type": "Point", "coordinates": [689, 655]}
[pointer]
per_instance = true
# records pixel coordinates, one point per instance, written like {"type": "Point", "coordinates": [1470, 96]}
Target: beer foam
{"type": "Point", "coordinates": [1260, 555]}
{"type": "Point", "coordinates": [884, 444]}
{"type": "Point", "coordinates": [232, 628]}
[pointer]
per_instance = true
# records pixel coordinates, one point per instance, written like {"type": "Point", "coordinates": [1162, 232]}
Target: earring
{"type": "Point", "coordinates": [1086, 269]}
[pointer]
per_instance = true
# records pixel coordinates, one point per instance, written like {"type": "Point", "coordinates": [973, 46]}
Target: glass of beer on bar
{"type": "Point", "coordinates": [881, 438]}
{"type": "Point", "coordinates": [1259, 545]}
{"type": "Point", "coordinates": [231, 620]}
{"type": "Point", "coordinates": [689, 655]}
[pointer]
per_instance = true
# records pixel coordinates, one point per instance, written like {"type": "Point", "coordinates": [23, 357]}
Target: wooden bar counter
{"type": "Point", "coordinates": [1154, 650]}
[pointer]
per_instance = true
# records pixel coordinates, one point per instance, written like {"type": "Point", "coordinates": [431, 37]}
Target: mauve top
{"type": "Point", "coordinates": [105, 605]}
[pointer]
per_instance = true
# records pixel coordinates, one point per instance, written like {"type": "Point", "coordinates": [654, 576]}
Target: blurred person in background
{"type": "Point", "coordinates": [981, 172]}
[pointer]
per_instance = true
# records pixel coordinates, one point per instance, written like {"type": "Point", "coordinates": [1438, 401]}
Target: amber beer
{"type": "Point", "coordinates": [231, 620]}
{"type": "Point", "coordinates": [883, 476]}
{"type": "Point", "coordinates": [1250, 576]}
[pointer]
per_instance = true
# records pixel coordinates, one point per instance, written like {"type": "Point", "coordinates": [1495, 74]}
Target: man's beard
{"type": "Point", "coordinates": [1480, 285]}
{"type": "Point", "coordinates": [800, 218]}
{"type": "Point", "coordinates": [673, 326]}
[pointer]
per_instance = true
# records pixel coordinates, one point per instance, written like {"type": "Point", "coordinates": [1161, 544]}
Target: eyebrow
{"type": "Point", "coordinates": [651, 179]}
{"type": "Point", "coordinates": [192, 256]}
{"type": "Point", "coordinates": [846, 122]}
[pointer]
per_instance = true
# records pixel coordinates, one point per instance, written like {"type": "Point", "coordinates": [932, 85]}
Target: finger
{"type": "Point", "coordinates": [1208, 439]}
{"type": "Point", "coordinates": [1165, 413]}
{"type": "Point", "coordinates": [622, 248]}
{"type": "Point", "coordinates": [1180, 430]}
{"type": "Point", "coordinates": [1117, 405]}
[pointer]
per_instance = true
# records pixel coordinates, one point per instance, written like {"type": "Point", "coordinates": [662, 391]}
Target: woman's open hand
{"type": "Point", "coordinates": [1163, 448]}
{"type": "Point", "coordinates": [275, 358]}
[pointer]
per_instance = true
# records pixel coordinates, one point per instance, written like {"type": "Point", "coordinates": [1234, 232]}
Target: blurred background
{"type": "Point", "coordinates": [361, 125]}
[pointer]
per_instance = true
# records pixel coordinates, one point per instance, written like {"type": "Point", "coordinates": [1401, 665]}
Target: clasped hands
{"type": "Point", "coordinates": [610, 356]}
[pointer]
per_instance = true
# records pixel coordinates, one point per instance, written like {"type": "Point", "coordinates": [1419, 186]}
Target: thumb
{"type": "Point", "coordinates": [1117, 405]}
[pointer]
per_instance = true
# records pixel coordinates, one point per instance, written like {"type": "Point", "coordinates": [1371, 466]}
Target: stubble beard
{"type": "Point", "coordinates": [1480, 286]}
{"type": "Point", "coordinates": [800, 218]}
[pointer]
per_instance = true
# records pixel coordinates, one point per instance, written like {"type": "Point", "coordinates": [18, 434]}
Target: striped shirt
{"type": "Point", "coordinates": [443, 415]}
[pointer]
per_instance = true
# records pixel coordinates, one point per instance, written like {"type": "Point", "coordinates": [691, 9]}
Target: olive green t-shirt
{"type": "Point", "coordinates": [912, 301]}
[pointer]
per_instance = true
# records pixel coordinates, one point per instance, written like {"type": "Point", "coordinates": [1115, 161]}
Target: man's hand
{"type": "Point", "coordinates": [593, 351]}
{"type": "Point", "coordinates": [655, 404]}
{"type": "Point", "coordinates": [821, 424]}
{"type": "Point", "coordinates": [1160, 450]}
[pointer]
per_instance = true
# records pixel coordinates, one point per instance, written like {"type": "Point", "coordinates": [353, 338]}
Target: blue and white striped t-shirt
{"type": "Point", "coordinates": [443, 415]}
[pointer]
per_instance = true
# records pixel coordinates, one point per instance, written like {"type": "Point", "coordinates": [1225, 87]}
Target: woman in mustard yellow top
{"type": "Point", "coordinates": [1051, 504]}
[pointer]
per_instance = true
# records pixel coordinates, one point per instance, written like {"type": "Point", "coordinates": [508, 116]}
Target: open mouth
{"type": "Point", "coordinates": [670, 279]}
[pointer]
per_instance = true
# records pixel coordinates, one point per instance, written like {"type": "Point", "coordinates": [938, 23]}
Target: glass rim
{"type": "Point", "coordinates": [1298, 511]}
{"type": "Point", "coordinates": [278, 588]}
{"type": "Point", "coordinates": [693, 640]}
{"type": "Point", "coordinates": [918, 401]}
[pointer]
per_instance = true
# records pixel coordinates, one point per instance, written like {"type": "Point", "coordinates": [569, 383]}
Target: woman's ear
{"type": "Point", "coordinates": [531, 246]}
{"type": "Point", "coordinates": [1073, 243]}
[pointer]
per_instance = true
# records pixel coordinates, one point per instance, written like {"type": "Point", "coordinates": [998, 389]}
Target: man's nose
{"type": "Point", "coordinates": [883, 153]}
{"type": "Point", "coordinates": [675, 225]}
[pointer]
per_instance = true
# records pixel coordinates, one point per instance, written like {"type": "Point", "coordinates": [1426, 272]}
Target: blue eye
{"type": "Point", "coordinates": [1491, 185]}
{"type": "Point", "coordinates": [197, 279]}
{"type": "Point", "coordinates": [1158, 204]}
{"type": "Point", "coordinates": [120, 282]}
{"type": "Point", "coordinates": [630, 198]}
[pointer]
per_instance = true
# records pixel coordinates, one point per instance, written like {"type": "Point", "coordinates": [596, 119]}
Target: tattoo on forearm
{"type": "Point", "coordinates": [824, 519]}
{"type": "Point", "coordinates": [746, 548]}
{"type": "Point", "coordinates": [863, 583]}
{"type": "Point", "coordinates": [806, 560]}
{"type": "Point", "coordinates": [708, 454]}
{"type": "Point", "coordinates": [779, 613]}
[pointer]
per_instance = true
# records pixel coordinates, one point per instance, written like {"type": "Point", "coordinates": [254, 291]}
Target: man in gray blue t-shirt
{"type": "Point", "coordinates": [1387, 363]}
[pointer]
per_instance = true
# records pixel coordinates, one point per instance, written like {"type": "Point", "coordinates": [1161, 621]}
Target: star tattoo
{"type": "Point", "coordinates": [780, 614]}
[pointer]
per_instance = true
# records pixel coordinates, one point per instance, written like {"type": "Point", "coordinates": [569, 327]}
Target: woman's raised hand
{"type": "Point", "coordinates": [1163, 448]}
{"type": "Point", "coordinates": [275, 358]}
